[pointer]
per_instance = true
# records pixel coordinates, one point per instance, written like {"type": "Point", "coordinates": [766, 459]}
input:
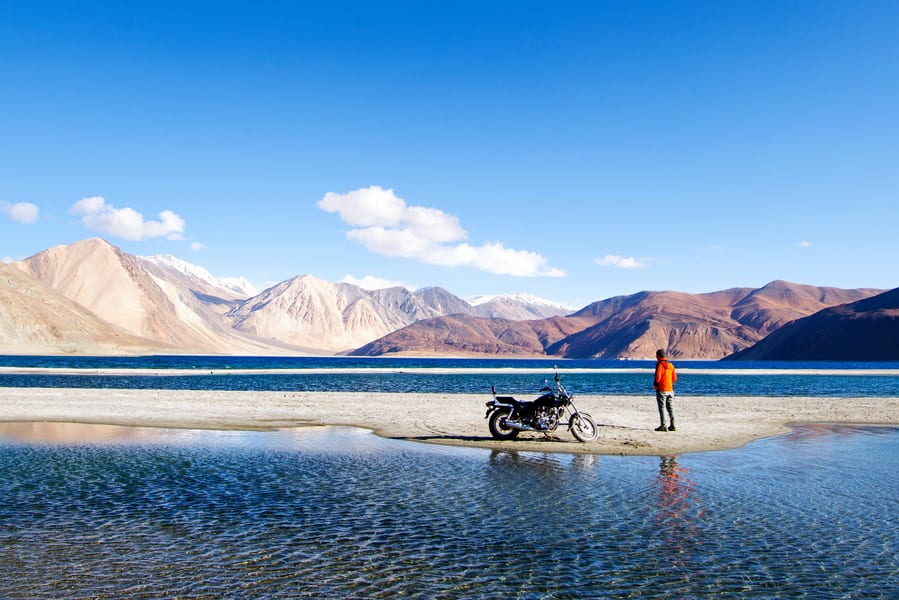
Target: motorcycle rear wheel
{"type": "Point", "coordinates": [498, 428]}
{"type": "Point", "coordinates": [583, 427]}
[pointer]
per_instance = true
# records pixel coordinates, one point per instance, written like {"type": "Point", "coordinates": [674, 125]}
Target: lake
{"type": "Point", "coordinates": [111, 512]}
{"type": "Point", "coordinates": [606, 377]}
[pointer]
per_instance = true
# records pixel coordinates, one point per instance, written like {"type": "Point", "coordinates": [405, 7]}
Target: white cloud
{"type": "Point", "coordinates": [126, 223]}
{"type": "Point", "coordinates": [369, 282]}
{"type": "Point", "coordinates": [197, 246]}
{"type": "Point", "coordinates": [494, 258]}
{"type": "Point", "coordinates": [20, 212]}
{"type": "Point", "coordinates": [6, 260]}
{"type": "Point", "coordinates": [385, 224]}
{"type": "Point", "coordinates": [804, 244]}
{"type": "Point", "coordinates": [620, 262]}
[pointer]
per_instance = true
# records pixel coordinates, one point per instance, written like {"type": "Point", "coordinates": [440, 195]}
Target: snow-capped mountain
{"type": "Point", "coordinates": [517, 307]}
{"type": "Point", "coordinates": [238, 285]}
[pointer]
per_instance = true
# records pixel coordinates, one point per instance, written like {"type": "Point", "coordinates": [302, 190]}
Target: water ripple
{"type": "Point", "coordinates": [339, 513]}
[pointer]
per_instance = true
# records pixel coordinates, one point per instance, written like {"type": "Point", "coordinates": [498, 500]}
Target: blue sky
{"type": "Point", "coordinates": [573, 150]}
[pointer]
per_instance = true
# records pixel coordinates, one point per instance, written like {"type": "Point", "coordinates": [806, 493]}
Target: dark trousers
{"type": "Point", "coordinates": [665, 400]}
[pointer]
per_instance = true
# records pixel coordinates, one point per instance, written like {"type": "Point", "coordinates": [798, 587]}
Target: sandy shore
{"type": "Point", "coordinates": [626, 422]}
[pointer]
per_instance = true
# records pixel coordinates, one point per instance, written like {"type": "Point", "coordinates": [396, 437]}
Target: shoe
{"type": "Point", "coordinates": [661, 428]}
{"type": "Point", "coordinates": [671, 428]}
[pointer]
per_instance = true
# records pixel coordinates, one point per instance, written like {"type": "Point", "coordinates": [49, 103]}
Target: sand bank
{"type": "Point", "coordinates": [626, 422]}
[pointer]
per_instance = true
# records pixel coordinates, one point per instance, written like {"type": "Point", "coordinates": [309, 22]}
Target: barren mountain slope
{"type": "Point", "coordinates": [36, 319]}
{"type": "Point", "coordinates": [688, 325]}
{"type": "Point", "coordinates": [866, 330]}
{"type": "Point", "coordinates": [182, 306]}
{"type": "Point", "coordinates": [464, 335]}
{"type": "Point", "coordinates": [710, 326]}
{"type": "Point", "coordinates": [201, 306]}
{"type": "Point", "coordinates": [776, 304]}
{"type": "Point", "coordinates": [119, 288]}
{"type": "Point", "coordinates": [335, 317]}
{"type": "Point", "coordinates": [442, 301]}
{"type": "Point", "coordinates": [308, 312]}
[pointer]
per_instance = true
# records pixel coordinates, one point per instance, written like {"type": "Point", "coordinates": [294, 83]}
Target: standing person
{"type": "Point", "coordinates": [664, 387]}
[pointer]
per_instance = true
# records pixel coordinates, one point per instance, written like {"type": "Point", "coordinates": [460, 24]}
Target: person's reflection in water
{"type": "Point", "coordinates": [588, 463]}
{"type": "Point", "coordinates": [679, 511]}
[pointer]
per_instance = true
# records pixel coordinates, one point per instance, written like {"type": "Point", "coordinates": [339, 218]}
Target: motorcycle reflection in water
{"type": "Point", "coordinates": [508, 417]}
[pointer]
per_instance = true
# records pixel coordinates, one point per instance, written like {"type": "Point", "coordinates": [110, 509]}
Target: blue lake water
{"type": "Point", "coordinates": [338, 512]}
{"type": "Point", "coordinates": [610, 377]}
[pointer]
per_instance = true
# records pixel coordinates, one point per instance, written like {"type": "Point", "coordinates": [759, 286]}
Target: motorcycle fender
{"type": "Point", "coordinates": [492, 405]}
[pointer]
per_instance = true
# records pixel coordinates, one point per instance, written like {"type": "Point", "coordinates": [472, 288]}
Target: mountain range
{"type": "Point", "coordinates": [709, 326]}
{"type": "Point", "coordinates": [91, 297]}
{"type": "Point", "coordinates": [166, 304]}
{"type": "Point", "coordinates": [867, 330]}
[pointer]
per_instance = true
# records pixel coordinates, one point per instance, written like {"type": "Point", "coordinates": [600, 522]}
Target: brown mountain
{"type": "Point", "coordinates": [465, 335]}
{"type": "Point", "coordinates": [780, 302]}
{"type": "Point", "coordinates": [708, 326]}
{"type": "Point", "coordinates": [867, 330]}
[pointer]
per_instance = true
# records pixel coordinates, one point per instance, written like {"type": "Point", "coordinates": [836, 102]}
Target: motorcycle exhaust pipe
{"type": "Point", "coordinates": [519, 426]}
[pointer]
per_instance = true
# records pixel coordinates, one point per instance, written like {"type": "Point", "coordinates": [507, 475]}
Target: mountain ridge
{"type": "Point", "coordinates": [865, 330]}
{"type": "Point", "coordinates": [35, 319]}
{"type": "Point", "coordinates": [183, 306]}
{"type": "Point", "coordinates": [710, 325]}
{"type": "Point", "coordinates": [168, 303]}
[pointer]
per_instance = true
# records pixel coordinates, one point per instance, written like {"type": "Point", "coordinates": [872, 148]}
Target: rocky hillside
{"type": "Point", "coordinates": [98, 296]}
{"type": "Point", "coordinates": [141, 298]}
{"type": "Point", "coordinates": [34, 319]}
{"type": "Point", "coordinates": [184, 308]}
{"type": "Point", "coordinates": [311, 313]}
{"type": "Point", "coordinates": [708, 326]}
{"type": "Point", "coordinates": [465, 335]}
{"type": "Point", "coordinates": [867, 330]}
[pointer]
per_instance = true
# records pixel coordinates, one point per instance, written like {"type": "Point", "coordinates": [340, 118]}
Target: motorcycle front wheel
{"type": "Point", "coordinates": [583, 427]}
{"type": "Point", "coordinates": [498, 428]}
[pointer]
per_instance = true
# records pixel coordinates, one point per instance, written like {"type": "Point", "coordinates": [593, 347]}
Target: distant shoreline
{"type": "Point", "coordinates": [626, 422]}
{"type": "Point", "coordinates": [112, 371]}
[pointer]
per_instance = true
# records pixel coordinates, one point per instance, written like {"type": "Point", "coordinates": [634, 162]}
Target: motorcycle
{"type": "Point", "coordinates": [508, 417]}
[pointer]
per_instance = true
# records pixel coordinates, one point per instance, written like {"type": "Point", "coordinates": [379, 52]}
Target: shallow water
{"type": "Point", "coordinates": [337, 512]}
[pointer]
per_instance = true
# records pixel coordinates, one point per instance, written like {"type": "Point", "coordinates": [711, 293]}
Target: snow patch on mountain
{"type": "Point", "coordinates": [237, 285]}
{"type": "Point", "coordinates": [520, 297]}
{"type": "Point", "coordinates": [517, 306]}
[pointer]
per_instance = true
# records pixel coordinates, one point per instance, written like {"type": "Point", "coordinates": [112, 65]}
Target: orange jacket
{"type": "Point", "coordinates": [665, 376]}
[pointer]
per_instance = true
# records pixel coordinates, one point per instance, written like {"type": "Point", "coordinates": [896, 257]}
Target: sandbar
{"type": "Point", "coordinates": [626, 423]}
